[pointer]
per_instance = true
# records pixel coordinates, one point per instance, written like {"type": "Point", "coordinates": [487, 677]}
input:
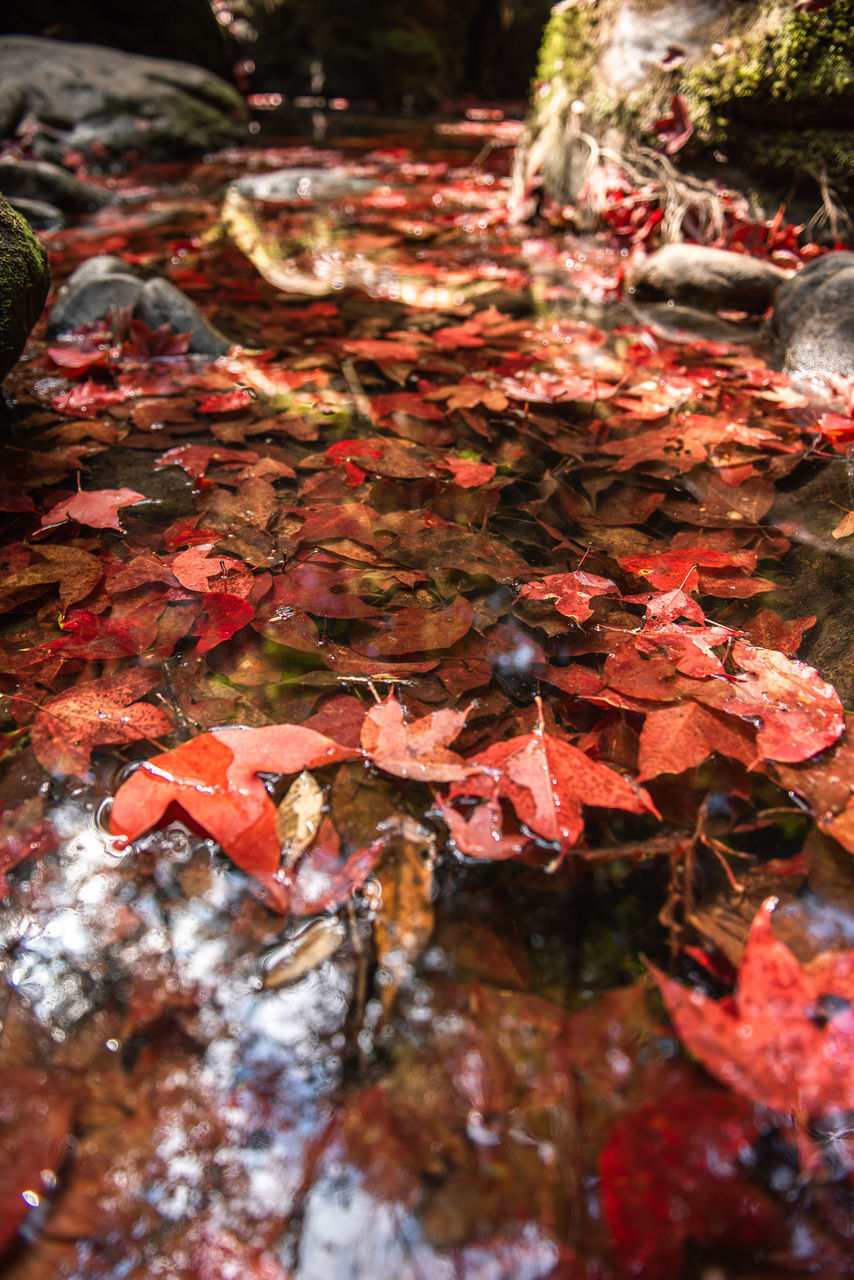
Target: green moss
{"type": "Point", "coordinates": [568, 50]}
{"type": "Point", "coordinates": [798, 65]}
{"type": "Point", "coordinates": [24, 283]}
{"type": "Point", "coordinates": [777, 96]}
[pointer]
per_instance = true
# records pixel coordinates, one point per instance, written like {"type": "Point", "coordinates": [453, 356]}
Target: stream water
{"type": "Point", "coordinates": [463, 1070]}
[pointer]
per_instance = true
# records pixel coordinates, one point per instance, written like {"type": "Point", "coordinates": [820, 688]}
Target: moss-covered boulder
{"type": "Point", "coordinates": [24, 284]}
{"type": "Point", "coordinates": [761, 85]}
{"type": "Point", "coordinates": [110, 105]}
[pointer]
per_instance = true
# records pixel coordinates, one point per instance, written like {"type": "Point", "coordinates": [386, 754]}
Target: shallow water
{"type": "Point", "coordinates": [474, 1077]}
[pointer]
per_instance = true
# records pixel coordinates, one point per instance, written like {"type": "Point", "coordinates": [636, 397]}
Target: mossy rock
{"type": "Point", "coordinates": [767, 87]}
{"type": "Point", "coordinates": [24, 284]}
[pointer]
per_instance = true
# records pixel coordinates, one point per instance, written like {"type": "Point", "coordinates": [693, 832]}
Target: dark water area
{"type": "Point", "coordinates": [429, 1045]}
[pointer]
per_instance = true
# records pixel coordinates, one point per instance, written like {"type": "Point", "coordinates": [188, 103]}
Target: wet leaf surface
{"type": "Point", "coordinates": [463, 667]}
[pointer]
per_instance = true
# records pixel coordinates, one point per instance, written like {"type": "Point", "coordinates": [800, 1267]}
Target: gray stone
{"type": "Point", "coordinates": [106, 283]}
{"type": "Point", "coordinates": [105, 102]}
{"type": "Point", "coordinates": [40, 216]}
{"type": "Point", "coordinates": [37, 180]}
{"type": "Point", "coordinates": [712, 279]}
{"type": "Point", "coordinates": [286, 186]}
{"type": "Point", "coordinates": [24, 284]}
{"type": "Point", "coordinates": [86, 302]}
{"type": "Point", "coordinates": [812, 326]}
{"type": "Point", "coordinates": [160, 302]}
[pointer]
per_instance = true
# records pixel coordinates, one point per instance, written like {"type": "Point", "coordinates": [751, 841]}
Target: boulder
{"type": "Point", "coordinates": [107, 103]}
{"type": "Point", "coordinates": [160, 302]}
{"type": "Point", "coordinates": [812, 325]}
{"type": "Point", "coordinates": [711, 279]}
{"type": "Point", "coordinates": [44, 192]}
{"type": "Point", "coordinates": [764, 85]}
{"type": "Point", "coordinates": [24, 284]}
{"type": "Point", "coordinates": [107, 284]}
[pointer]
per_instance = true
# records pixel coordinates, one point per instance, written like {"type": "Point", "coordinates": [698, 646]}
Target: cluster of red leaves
{"type": "Point", "coordinates": [547, 552]}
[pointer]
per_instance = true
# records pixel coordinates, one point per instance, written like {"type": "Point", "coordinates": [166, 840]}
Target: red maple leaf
{"type": "Point", "coordinates": [785, 1039]}
{"type": "Point", "coordinates": [214, 779]}
{"type": "Point", "coordinates": [675, 1170]}
{"type": "Point", "coordinates": [417, 749]}
{"type": "Point", "coordinates": [675, 130]}
{"type": "Point", "coordinates": [203, 569]}
{"type": "Point", "coordinates": [97, 508]}
{"type": "Point", "coordinates": [547, 780]}
{"type": "Point", "coordinates": [94, 714]}
{"type": "Point", "coordinates": [467, 472]}
{"type": "Point", "coordinates": [682, 736]}
{"type": "Point", "coordinates": [223, 615]}
{"type": "Point", "coordinates": [799, 714]}
{"type": "Point", "coordinates": [571, 592]}
{"type": "Point", "coordinates": [226, 401]}
{"type": "Point", "coordinates": [196, 458]}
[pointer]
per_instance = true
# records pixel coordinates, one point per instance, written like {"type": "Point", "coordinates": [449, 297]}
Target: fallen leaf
{"type": "Point", "coordinates": [298, 817]}
{"type": "Point", "coordinates": [95, 713]}
{"type": "Point", "coordinates": [786, 1037]}
{"type": "Point", "coordinates": [681, 737]}
{"type": "Point", "coordinates": [214, 779]}
{"type": "Point", "coordinates": [571, 592]}
{"type": "Point", "coordinates": [417, 749]}
{"type": "Point", "coordinates": [98, 508]}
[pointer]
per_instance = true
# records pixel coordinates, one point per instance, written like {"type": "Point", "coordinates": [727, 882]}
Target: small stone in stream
{"type": "Point", "coordinates": [711, 279]}
{"type": "Point", "coordinates": [24, 284]}
{"type": "Point", "coordinates": [106, 284]}
{"type": "Point", "coordinates": [90, 296]}
{"type": "Point", "coordinates": [286, 186]}
{"type": "Point", "coordinates": [40, 181]}
{"type": "Point", "coordinates": [162, 303]}
{"type": "Point", "coordinates": [812, 326]}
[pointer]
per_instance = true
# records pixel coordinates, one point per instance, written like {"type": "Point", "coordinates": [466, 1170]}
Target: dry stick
{"type": "Point", "coordinates": [361, 403]}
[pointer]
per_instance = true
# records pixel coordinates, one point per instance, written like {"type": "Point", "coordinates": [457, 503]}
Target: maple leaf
{"type": "Point", "coordinates": [98, 508]}
{"type": "Point", "coordinates": [413, 630]}
{"type": "Point", "coordinates": [786, 1038]}
{"type": "Point", "coordinates": [680, 737]}
{"type": "Point", "coordinates": [80, 400]}
{"type": "Point", "coordinates": [673, 1171]}
{"type": "Point", "coordinates": [571, 592]}
{"type": "Point", "coordinates": [481, 835]}
{"type": "Point", "coordinates": [76, 571]}
{"type": "Point", "coordinates": [470, 393]}
{"type": "Point", "coordinates": [198, 570]}
{"type": "Point", "coordinates": [799, 714]}
{"type": "Point", "coordinates": [93, 714]}
{"type": "Point", "coordinates": [548, 781]}
{"type": "Point", "coordinates": [416, 749]}
{"type": "Point", "coordinates": [223, 615]}
{"type": "Point", "coordinates": [226, 401]}
{"type": "Point", "coordinates": [214, 779]}
{"type": "Point", "coordinates": [684, 567]}
{"type": "Point", "coordinates": [196, 458]}
{"type": "Point", "coordinates": [467, 472]}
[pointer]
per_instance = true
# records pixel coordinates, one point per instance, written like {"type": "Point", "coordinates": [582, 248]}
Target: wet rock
{"type": "Point", "coordinates": [812, 326]}
{"type": "Point", "coordinates": [24, 284]}
{"type": "Point", "coordinates": [40, 215]}
{"type": "Point", "coordinates": [39, 180]}
{"type": "Point", "coordinates": [711, 279]}
{"type": "Point", "coordinates": [107, 103]}
{"type": "Point", "coordinates": [161, 303]}
{"type": "Point", "coordinates": [285, 186]}
{"type": "Point", "coordinates": [99, 286]}
{"type": "Point", "coordinates": [107, 284]}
